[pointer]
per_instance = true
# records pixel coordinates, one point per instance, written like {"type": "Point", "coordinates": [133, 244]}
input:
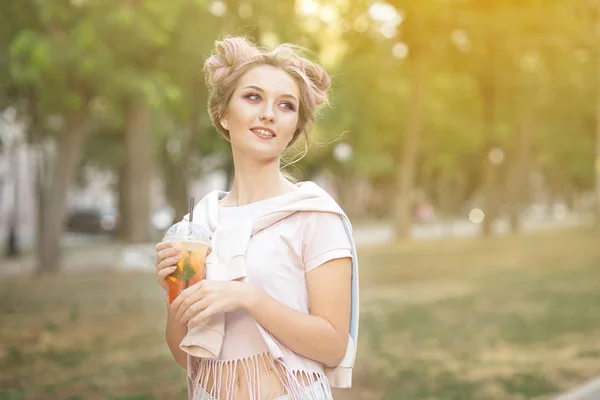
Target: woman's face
{"type": "Point", "coordinates": [262, 115]}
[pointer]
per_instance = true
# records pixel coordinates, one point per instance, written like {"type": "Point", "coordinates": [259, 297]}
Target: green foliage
{"type": "Point", "coordinates": [532, 58]}
{"type": "Point", "coordinates": [187, 273]}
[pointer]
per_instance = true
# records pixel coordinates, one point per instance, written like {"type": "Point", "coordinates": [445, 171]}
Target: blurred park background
{"type": "Point", "coordinates": [463, 141]}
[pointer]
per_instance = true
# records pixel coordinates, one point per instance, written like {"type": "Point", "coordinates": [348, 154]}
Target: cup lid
{"type": "Point", "coordinates": [186, 231]}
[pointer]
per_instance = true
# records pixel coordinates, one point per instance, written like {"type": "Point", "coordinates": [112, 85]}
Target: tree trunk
{"type": "Point", "coordinates": [40, 191]}
{"type": "Point", "coordinates": [519, 171]}
{"type": "Point", "coordinates": [490, 192]}
{"type": "Point", "coordinates": [42, 163]}
{"type": "Point", "coordinates": [405, 177]}
{"type": "Point", "coordinates": [514, 178]}
{"type": "Point", "coordinates": [68, 151]}
{"type": "Point", "coordinates": [447, 191]}
{"type": "Point", "coordinates": [138, 173]}
{"type": "Point", "coordinates": [490, 171]}
{"type": "Point", "coordinates": [122, 230]}
{"type": "Point", "coordinates": [176, 178]}
{"type": "Point", "coordinates": [12, 244]}
{"type": "Point", "coordinates": [343, 183]}
{"type": "Point", "coordinates": [597, 163]}
{"type": "Point", "coordinates": [179, 195]}
{"type": "Point", "coordinates": [176, 170]}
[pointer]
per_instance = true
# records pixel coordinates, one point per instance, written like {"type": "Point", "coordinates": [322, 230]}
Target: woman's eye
{"type": "Point", "coordinates": [289, 106]}
{"type": "Point", "coordinates": [253, 97]}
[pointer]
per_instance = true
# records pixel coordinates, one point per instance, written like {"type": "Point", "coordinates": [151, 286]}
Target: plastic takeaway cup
{"type": "Point", "coordinates": [195, 245]}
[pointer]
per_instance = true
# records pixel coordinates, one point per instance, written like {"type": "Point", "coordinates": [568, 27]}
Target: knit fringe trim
{"type": "Point", "coordinates": [297, 384]}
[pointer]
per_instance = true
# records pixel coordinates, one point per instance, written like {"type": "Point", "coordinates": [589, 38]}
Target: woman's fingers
{"type": "Point", "coordinates": [163, 273]}
{"type": "Point", "coordinates": [182, 306]}
{"type": "Point", "coordinates": [167, 256]}
{"type": "Point", "coordinates": [169, 252]}
{"type": "Point", "coordinates": [162, 245]}
{"type": "Point", "coordinates": [201, 317]}
{"type": "Point", "coordinates": [168, 262]}
{"type": "Point", "coordinates": [166, 253]}
{"type": "Point", "coordinates": [193, 310]}
{"type": "Point", "coordinates": [185, 300]}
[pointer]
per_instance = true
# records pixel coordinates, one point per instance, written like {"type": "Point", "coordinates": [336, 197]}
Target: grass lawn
{"type": "Point", "coordinates": [503, 318]}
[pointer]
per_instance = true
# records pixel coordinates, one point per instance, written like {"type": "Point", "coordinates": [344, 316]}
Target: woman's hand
{"type": "Point", "coordinates": [206, 298]}
{"type": "Point", "coordinates": [167, 257]}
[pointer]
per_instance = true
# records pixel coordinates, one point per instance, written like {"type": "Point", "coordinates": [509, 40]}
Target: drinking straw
{"type": "Point", "coordinates": [191, 218]}
{"type": "Point", "coordinates": [191, 209]}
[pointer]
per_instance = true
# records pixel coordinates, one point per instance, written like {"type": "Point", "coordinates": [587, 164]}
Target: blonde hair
{"type": "Point", "coordinates": [234, 56]}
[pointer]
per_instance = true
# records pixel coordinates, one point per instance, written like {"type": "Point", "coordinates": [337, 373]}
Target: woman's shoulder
{"type": "Point", "coordinates": [322, 229]}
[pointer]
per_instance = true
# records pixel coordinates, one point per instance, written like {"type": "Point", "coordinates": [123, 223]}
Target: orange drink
{"type": "Point", "coordinates": [195, 246]}
{"type": "Point", "coordinates": [190, 268]}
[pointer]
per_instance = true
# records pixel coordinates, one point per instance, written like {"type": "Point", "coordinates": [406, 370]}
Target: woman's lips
{"type": "Point", "coordinates": [261, 135]}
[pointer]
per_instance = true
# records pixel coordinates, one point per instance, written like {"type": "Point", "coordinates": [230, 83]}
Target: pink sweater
{"type": "Point", "coordinates": [273, 244]}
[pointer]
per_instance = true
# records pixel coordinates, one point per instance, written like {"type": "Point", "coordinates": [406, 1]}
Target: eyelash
{"type": "Point", "coordinates": [290, 106]}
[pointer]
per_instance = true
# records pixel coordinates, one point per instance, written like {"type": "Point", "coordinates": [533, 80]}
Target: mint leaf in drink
{"type": "Point", "coordinates": [188, 270]}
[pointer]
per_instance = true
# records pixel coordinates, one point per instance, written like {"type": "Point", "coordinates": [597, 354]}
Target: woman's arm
{"type": "Point", "coordinates": [167, 257]}
{"type": "Point", "coordinates": [322, 335]}
{"type": "Point", "coordinates": [175, 332]}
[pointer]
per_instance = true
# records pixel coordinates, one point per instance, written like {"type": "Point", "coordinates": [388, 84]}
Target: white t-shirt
{"type": "Point", "coordinates": [277, 261]}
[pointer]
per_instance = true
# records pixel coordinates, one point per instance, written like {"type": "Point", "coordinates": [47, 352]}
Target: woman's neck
{"type": "Point", "coordinates": [254, 182]}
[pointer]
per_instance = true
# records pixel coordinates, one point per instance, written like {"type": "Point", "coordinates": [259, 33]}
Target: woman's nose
{"type": "Point", "coordinates": [267, 115]}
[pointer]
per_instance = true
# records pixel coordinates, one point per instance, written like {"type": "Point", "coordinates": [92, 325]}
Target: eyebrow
{"type": "Point", "coordinates": [262, 90]}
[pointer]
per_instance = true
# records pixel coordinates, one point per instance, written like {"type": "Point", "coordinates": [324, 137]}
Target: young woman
{"type": "Point", "coordinates": [283, 270]}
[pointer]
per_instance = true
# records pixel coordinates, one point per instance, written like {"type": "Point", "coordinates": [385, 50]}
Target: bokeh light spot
{"type": "Point", "coordinates": [218, 8]}
{"type": "Point", "coordinates": [476, 215]}
{"type": "Point", "coordinates": [400, 50]}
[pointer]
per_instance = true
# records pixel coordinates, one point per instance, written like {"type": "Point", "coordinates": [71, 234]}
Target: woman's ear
{"type": "Point", "coordinates": [224, 121]}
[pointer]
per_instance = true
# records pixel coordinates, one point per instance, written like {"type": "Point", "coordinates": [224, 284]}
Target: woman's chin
{"type": "Point", "coordinates": [263, 153]}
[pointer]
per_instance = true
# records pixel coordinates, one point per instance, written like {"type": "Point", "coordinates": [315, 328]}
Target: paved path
{"type": "Point", "coordinates": [382, 233]}
{"type": "Point", "coordinates": [89, 253]}
{"type": "Point", "coordinates": [588, 391]}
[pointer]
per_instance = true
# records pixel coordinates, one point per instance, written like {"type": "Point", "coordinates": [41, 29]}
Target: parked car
{"type": "Point", "coordinates": [91, 221]}
{"type": "Point", "coordinates": [94, 221]}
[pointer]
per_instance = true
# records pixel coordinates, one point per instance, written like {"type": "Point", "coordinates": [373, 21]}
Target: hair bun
{"type": "Point", "coordinates": [314, 72]}
{"type": "Point", "coordinates": [320, 79]}
{"type": "Point", "coordinates": [318, 76]}
{"type": "Point", "coordinates": [227, 55]}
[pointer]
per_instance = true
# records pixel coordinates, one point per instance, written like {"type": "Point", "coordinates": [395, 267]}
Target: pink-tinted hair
{"type": "Point", "coordinates": [234, 56]}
